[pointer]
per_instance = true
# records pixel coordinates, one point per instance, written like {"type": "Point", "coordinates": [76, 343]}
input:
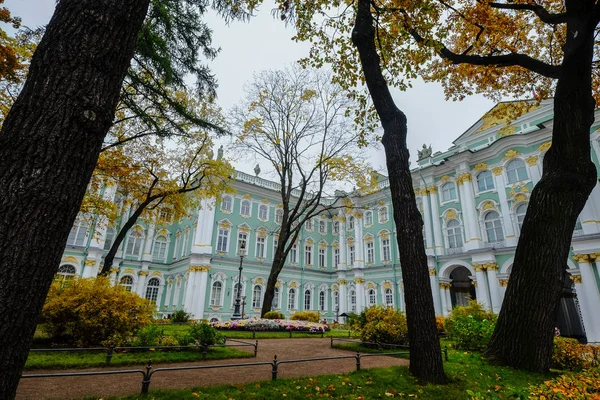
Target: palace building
{"type": "Point", "coordinates": [472, 197]}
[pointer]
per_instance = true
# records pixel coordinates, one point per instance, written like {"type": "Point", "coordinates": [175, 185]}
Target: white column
{"type": "Point", "coordinates": [401, 301]}
{"type": "Point", "coordinates": [443, 288]}
{"type": "Point", "coordinates": [473, 233]}
{"type": "Point", "coordinates": [590, 215]}
{"type": "Point", "coordinates": [492, 277]}
{"type": "Point", "coordinates": [204, 228]}
{"type": "Point", "coordinates": [437, 227]}
{"type": "Point", "coordinates": [189, 290]}
{"type": "Point", "coordinates": [177, 292]}
{"type": "Point", "coordinates": [448, 299]}
{"type": "Point", "coordinates": [483, 296]}
{"type": "Point", "coordinates": [169, 292]}
{"type": "Point", "coordinates": [534, 169]}
{"type": "Point", "coordinates": [464, 201]}
{"type": "Point", "coordinates": [90, 266]}
{"type": "Point", "coordinates": [342, 242]}
{"type": "Point", "coordinates": [503, 282]}
{"type": "Point", "coordinates": [360, 294]}
{"type": "Point", "coordinates": [359, 244]}
{"type": "Point", "coordinates": [342, 293]}
{"type": "Point", "coordinates": [141, 286]}
{"type": "Point", "coordinates": [435, 288]}
{"type": "Point", "coordinates": [113, 276]}
{"type": "Point", "coordinates": [509, 230]}
{"type": "Point", "coordinates": [589, 297]}
{"type": "Point", "coordinates": [200, 291]}
{"type": "Point", "coordinates": [147, 256]}
{"type": "Point", "coordinates": [427, 221]}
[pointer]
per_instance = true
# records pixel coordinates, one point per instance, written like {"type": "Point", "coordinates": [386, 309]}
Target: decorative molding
{"type": "Point", "coordinates": [520, 197]}
{"type": "Point", "coordinates": [199, 268]}
{"type": "Point", "coordinates": [582, 258]}
{"type": "Point", "coordinates": [479, 267]}
{"type": "Point", "coordinates": [432, 272]}
{"type": "Point", "coordinates": [510, 154]}
{"type": "Point", "coordinates": [445, 178]}
{"type": "Point", "coordinates": [113, 270]}
{"type": "Point", "coordinates": [265, 201]}
{"type": "Point", "coordinates": [474, 283]}
{"type": "Point", "coordinates": [341, 282]}
{"type": "Point", "coordinates": [480, 166]}
{"type": "Point", "coordinates": [488, 205]}
{"type": "Point", "coordinates": [293, 285]}
{"type": "Point", "coordinates": [531, 160]}
{"type": "Point", "coordinates": [387, 285]}
{"type": "Point", "coordinates": [224, 225]}
{"type": "Point", "coordinates": [247, 196]}
{"type": "Point", "coordinates": [545, 146]}
{"type": "Point", "coordinates": [491, 266]}
{"type": "Point", "coordinates": [451, 214]}
{"type": "Point", "coordinates": [595, 257]}
{"type": "Point", "coordinates": [503, 282]}
{"type": "Point", "coordinates": [277, 284]}
{"type": "Point", "coordinates": [143, 273]}
{"type": "Point", "coordinates": [70, 259]}
{"type": "Point", "coordinates": [445, 286]}
{"type": "Point", "coordinates": [497, 170]}
{"type": "Point", "coordinates": [423, 192]}
{"type": "Point", "coordinates": [432, 189]}
{"type": "Point", "coordinates": [370, 285]}
{"type": "Point", "coordinates": [359, 281]}
{"type": "Point", "coordinates": [90, 263]}
{"type": "Point", "coordinates": [336, 287]}
{"type": "Point", "coordinates": [576, 278]}
{"type": "Point", "coordinates": [464, 177]}
{"type": "Point", "coordinates": [156, 273]}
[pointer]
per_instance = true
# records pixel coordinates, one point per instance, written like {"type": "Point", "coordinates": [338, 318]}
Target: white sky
{"type": "Point", "coordinates": [264, 43]}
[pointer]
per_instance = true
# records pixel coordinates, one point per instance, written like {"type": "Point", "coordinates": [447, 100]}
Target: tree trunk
{"type": "Point", "coordinates": [425, 352]}
{"type": "Point", "coordinates": [276, 267]}
{"type": "Point", "coordinates": [49, 145]}
{"type": "Point", "coordinates": [524, 334]}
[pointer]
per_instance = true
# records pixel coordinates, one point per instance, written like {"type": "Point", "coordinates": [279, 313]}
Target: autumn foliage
{"type": "Point", "coordinates": [92, 312]}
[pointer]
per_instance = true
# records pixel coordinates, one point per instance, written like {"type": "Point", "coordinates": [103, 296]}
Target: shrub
{"type": "Point", "coordinates": [382, 325]}
{"type": "Point", "coordinates": [584, 385]}
{"type": "Point", "coordinates": [439, 323]}
{"type": "Point", "coordinates": [309, 316]}
{"type": "Point", "coordinates": [180, 316]}
{"type": "Point", "coordinates": [91, 312]}
{"type": "Point", "coordinates": [572, 355]}
{"type": "Point", "coordinates": [203, 334]}
{"type": "Point", "coordinates": [168, 341]}
{"type": "Point", "coordinates": [470, 327]}
{"type": "Point", "coordinates": [148, 335]}
{"type": "Point", "coordinates": [274, 315]}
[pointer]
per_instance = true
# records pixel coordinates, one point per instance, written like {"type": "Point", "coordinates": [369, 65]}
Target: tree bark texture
{"type": "Point", "coordinates": [49, 145]}
{"type": "Point", "coordinates": [524, 334]}
{"type": "Point", "coordinates": [425, 352]}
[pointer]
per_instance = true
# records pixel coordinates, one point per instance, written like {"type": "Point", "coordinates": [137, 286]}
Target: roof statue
{"type": "Point", "coordinates": [220, 153]}
{"type": "Point", "coordinates": [425, 153]}
{"type": "Point", "coordinates": [257, 169]}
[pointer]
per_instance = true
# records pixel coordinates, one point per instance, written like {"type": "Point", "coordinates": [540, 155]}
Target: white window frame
{"type": "Point", "coordinates": [152, 290]}
{"type": "Point", "coordinates": [307, 296]}
{"type": "Point", "coordinates": [514, 171]}
{"type": "Point", "coordinates": [454, 232]}
{"type": "Point", "coordinates": [243, 204]}
{"type": "Point", "coordinates": [133, 247]}
{"type": "Point", "coordinates": [128, 286]}
{"type": "Point", "coordinates": [263, 212]}
{"type": "Point", "coordinates": [385, 249]}
{"type": "Point", "coordinates": [322, 257]}
{"type": "Point", "coordinates": [257, 300]}
{"type": "Point", "coordinates": [485, 180]}
{"type": "Point", "coordinates": [368, 218]}
{"type": "Point", "coordinates": [389, 297]}
{"type": "Point", "coordinates": [216, 294]}
{"type": "Point", "coordinates": [371, 297]}
{"type": "Point", "coordinates": [370, 251]}
{"type": "Point", "coordinates": [292, 295]}
{"type": "Point", "coordinates": [383, 214]}
{"type": "Point", "coordinates": [308, 254]}
{"type": "Point", "coordinates": [279, 216]}
{"type": "Point", "coordinates": [227, 204]}
{"type": "Point", "coordinates": [160, 248]}
{"type": "Point", "coordinates": [223, 240]}
{"type": "Point", "coordinates": [261, 243]}
{"type": "Point", "coordinates": [448, 189]}
{"type": "Point", "coordinates": [323, 227]}
{"type": "Point", "coordinates": [497, 224]}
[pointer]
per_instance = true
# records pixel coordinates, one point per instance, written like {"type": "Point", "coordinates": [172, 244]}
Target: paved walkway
{"type": "Point", "coordinates": [285, 349]}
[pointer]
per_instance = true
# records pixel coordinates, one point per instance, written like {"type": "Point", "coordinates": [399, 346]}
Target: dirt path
{"type": "Point", "coordinates": [285, 349]}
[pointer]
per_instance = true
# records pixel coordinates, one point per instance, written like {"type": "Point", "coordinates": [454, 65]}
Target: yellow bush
{"type": "Point", "coordinates": [379, 324]}
{"type": "Point", "coordinates": [577, 386]}
{"type": "Point", "coordinates": [309, 316]}
{"type": "Point", "coordinates": [91, 312]}
{"type": "Point", "coordinates": [439, 323]}
{"type": "Point", "coordinates": [572, 355]}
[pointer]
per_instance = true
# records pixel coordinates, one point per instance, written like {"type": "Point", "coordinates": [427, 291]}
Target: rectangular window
{"type": "Point", "coordinates": [308, 225]}
{"type": "Point", "coordinates": [370, 253]}
{"type": "Point", "coordinates": [275, 244]}
{"type": "Point", "coordinates": [242, 239]}
{"type": "Point", "coordinates": [308, 255]}
{"type": "Point", "coordinates": [222, 239]}
{"type": "Point", "coordinates": [322, 251]}
{"type": "Point", "coordinates": [294, 254]}
{"type": "Point", "coordinates": [336, 257]}
{"type": "Point", "coordinates": [385, 249]}
{"type": "Point", "coordinates": [322, 227]}
{"type": "Point", "coordinates": [351, 253]}
{"type": "Point", "coordinates": [260, 247]}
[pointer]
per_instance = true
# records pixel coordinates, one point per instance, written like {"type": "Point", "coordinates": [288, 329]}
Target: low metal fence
{"type": "Point", "coordinates": [110, 351]}
{"type": "Point", "coordinates": [382, 345]}
{"type": "Point", "coordinates": [149, 372]}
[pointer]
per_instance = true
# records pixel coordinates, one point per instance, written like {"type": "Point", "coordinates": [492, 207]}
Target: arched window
{"type": "Point", "coordinates": [214, 319]}
{"type": "Point", "coordinates": [134, 243]}
{"type": "Point", "coordinates": [160, 248]}
{"type": "Point", "coordinates": [127, 283]}
{"type": "Point", "coordinates": [245, 208]}
{"type": "Point", "coordinates": [77, 234]}
{"type": "Point", "coordinates": [370, 251]}
{"type": "Point", "coordinates": [307, 299]}
{"type": "Point", "coordinates": [485, 181]}
{"type": "Point", "coordinates": [257, 296]}
{"type": "Point", "coordinates": [184, 243]}
{"type": "Point", "coordinates": [336, 257]}
{"type": "Point", "coordinates": [110, 237]}
{"type": "Point", "coordinates": [448, 191]}
{"type": "Point", "coordinates": [368, 218]}
{"type": "Point", "coordinates": [65, 273]}
{"type": "Point", "coordinates": [322, 257]}
{"type": "Point", "coordinates": [493, 227]}
{"type": "Point", "coordinates": [321, 301]}
{"type": "Point", "coordinates": [389, 298]}
{"type": "Point", "coordinates": [215, 294]}
{"type": "Point", "coordinates": [336, 300]}
{"type": "Point", "coordinates": [372, 297]}
{"type": "Point", "coordinates": [520, 214]}
{"type": "Point", "coordinates": [308, 260]}
{"type": "Point", "coordinates": [350, 222]}
{"type": "Point", "coordinates": [308, 225]}
{"type": "Point", "coordinates": [226, 204]}
{"type": "Point", "coordinates": [385, 249]}
{"type": "Point", "coordinates": [263, 212]}
{"type": "Point", "coordinates": [454, 234]}
{"type": "Point", "coordinates": [177, 247]}
{"type": "Point", "coordinates": [352, 301]}
{"type": "Point", "coordinates": [234, 294]}
{"type": "Point", "coordinates": [322, 227]}
{"type": "Point", "coordinates": [152, 289]}
{"type": "Point", "coordinates": [278, 216]}
{"type": "Point", "coordinates": [351, 254]}
{"type": "Point", "coordinates": [222, 239]}
{"type": "Point", "coordinates": [292, 299]}
{"type": "Point", "coordinates": [516, 171]}
{"type": "Point", "coordinates": [383, 215]}
{"type": "Point", "coordinates": [275, 302]}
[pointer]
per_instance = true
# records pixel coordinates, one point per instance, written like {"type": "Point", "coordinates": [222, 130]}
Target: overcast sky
{"type": "Point", "coordinates": [264, 43]}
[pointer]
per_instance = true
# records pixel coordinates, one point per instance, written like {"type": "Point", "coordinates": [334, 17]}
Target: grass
{"type": "Point", "coordinates": [91, 359]}
{"type": "Point", "coordinates": [465, 370]}
{"type": "Point", "coordinates": [357, 347]}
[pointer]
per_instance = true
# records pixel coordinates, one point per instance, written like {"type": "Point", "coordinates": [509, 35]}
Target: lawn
{"type": "Point", "coordinates": [467, 372]}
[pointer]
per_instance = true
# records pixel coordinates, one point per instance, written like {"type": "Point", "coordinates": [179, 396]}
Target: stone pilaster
{"type": "Point", "coordinates": [589, 297]}
{"type": "Point", "coordinates": [508, 228]}
{"type": "Point", "coordinates": [437, 226]}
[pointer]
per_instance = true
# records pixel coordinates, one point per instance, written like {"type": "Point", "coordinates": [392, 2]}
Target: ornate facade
{"type": "Point", "coordinates": [472, 197]}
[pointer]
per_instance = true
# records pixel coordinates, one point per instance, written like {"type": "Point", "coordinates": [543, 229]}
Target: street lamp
{"type": "Point", "coordinates": [236, 310]}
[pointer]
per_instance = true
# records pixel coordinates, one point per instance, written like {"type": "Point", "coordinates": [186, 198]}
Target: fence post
{"type": "Point", "coordinates": [348, 334]}
{"type": "Point", "coordinates": [358, 360]}
{"type": "Point", "coordinates": [446, 352]}
{"type": "Point", "coordinates": [253, 334]}
{"type": "Point", "coordinates": [331, 342]}
{"type": "Point", "coordinates": [290, 333]}
{"type": "Point", "coordinates": [274, 372]}
{"type": "Point", "coordinates": [204, 351]}
{"type": "Point", "coordinates": [146, 378]}
{"type": "Point", "coordinates": [255, 348]}
{"type": "Point", "coordinates": [109, 353]}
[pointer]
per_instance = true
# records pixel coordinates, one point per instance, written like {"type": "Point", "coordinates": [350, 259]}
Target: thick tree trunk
{"type": "Point", "coordinates": [425, 352]}
{"type": "Point", "coordinates": [49, 145]}
{"type": "Point", "coordinates": [276, 267]}
{"type": "Point", "coordinates": [523, 337]}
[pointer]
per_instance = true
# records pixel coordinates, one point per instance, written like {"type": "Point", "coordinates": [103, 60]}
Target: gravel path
{"type": "Point", "coordinates": [285, 349]}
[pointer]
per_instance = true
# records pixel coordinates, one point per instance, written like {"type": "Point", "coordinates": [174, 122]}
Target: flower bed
{"type": "Point", "coordinates": [258, 324]}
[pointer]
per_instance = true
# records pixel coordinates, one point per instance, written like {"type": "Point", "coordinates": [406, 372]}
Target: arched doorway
{"type": "Point", "coordinates": [461, 287]}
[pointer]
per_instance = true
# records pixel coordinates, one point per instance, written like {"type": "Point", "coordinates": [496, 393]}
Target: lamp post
{"type": "Point", "coordinates": [243, 305]}
{"type": "Point", "coordinates": [236, 310]}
